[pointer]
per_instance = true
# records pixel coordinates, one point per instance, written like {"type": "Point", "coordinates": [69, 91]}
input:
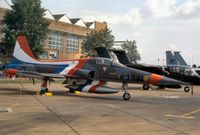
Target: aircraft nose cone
{"type": "Point", "coordinates": [167, 80]}
{"type": "Point", "coordinates": [155, 79]}
{"type": "Point", "coordinates": [159, 80]}
{"type": "Point", "coordinates": [170, 83]}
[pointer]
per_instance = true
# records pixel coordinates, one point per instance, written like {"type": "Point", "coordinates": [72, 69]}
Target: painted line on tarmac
{"type": "Point", "coordinates": [184, 116]}
{"type": "Point", "coordinates": [171, 97]}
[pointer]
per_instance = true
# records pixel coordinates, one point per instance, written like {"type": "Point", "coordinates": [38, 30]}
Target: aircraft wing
{"type": "Point", "coordinates": [48, 76]}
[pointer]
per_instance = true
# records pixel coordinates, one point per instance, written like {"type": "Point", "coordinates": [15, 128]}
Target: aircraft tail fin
{"type": "Point", "coordinates": [180, 59]}
{"type": "Point", "coordinates": [103, 52]}
{"type": "Point", "coordinates": [118, 55]}
{"type": "Point", "coordinates": [122, 57]}
{"type": "Point", "coordinates": [170, 59]}
{"type": "Point", "coordinates": [175, 58]}
{"type": "Point", "coordinates": [22, 51]}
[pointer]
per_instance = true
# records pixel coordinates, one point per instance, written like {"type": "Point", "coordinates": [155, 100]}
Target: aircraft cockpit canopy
{"type": "Point", "coordinates": [198, 72]}
{"type": "Point", "coordinates": [110, 62]}
{"type": "Point", "coordinates": [183, 70]}
{"type": "Point", "coordinates": [117, 64]}
{"type": "Point", "coordinates": [103, 61]}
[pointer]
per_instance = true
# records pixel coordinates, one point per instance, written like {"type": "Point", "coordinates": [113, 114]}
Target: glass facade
{"type": "Point", "coordinates": [55, 40]}
{"type": "Point", "coordinates": [72, 43]}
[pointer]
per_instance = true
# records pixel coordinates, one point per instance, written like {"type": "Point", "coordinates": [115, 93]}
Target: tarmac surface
{"type": "Point", "coordinates": [153, 112]}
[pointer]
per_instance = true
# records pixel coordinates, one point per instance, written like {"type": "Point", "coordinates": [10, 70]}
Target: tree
{"type": "Point", "coordinates": [102, 38]}
{"type": "Point", "coordinates": [26, 17]}
{"type": "Point", "coordinates": [131, 50]}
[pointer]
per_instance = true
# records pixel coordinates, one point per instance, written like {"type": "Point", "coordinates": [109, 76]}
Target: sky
{"type": "Point", "coordinates": [156, 25]}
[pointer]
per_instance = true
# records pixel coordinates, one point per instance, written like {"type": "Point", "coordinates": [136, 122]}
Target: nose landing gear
{"type": "Point", "coordinates": [44, 88]}
{"type": "Point", "coordinates": [126, 95]}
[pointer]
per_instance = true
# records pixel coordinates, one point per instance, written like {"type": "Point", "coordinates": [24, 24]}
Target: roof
{"type": "Point", "coordinates": [88, 24]}
{"type": "Point", "coordinates": [58, 16]}
{"type": "Point", "coordinates": [62, 18]}
{"type": "Point", "coordinates": [48, 15]}
{"type": "Point", "coordinates": [4, 4]}
{"type": "Point", "coordinates": [74, 20]}
{"type": "Point", "coordinates": [78, 21]}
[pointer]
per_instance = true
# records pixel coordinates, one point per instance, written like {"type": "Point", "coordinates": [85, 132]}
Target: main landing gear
{"type": "Point", "coordinates": [146, 87]}
{"type": "Point", "coordinates": [44, 88]}
{"type": "Point", "coordinates": [187, 88]}
{"type": "Point", "coordinates": [126, 95]}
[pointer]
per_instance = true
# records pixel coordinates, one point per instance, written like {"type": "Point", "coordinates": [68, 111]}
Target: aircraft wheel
{"type": "Point", "coordinates": [146, 87]}
{"type": "Point", "coordinates": [126, 96]}
{"type": "Point", "coordinates": [187, 89]}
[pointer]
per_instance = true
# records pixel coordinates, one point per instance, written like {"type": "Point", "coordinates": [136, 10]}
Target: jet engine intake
{"type": "Point", "coordinates": [85, 73]}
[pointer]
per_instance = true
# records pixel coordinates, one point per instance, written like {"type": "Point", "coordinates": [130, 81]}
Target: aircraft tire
{"type": "Point", "coordinates": [145, 87]}
{"type": "Point", "coordinates": [126, 96]}
{"type": "Point", "coordinates": [187, 89]}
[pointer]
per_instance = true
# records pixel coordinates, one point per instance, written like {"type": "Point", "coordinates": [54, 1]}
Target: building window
{"type": "Point", "coordinates": [55, 40]}
{"type": "Point", "coordinates": [72, 43]}
{"type": "Point", "coordinates": [53, 55]}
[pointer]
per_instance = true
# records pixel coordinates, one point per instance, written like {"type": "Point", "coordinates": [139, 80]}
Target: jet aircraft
{"type": "Point", "coordinates": [178, 69]}
{"type": "Point", "coordinates": [173, 70]}
{"type": "Point", "coordinates": [120, 55]}
{"type": "Point", "coordinates": [88, 75]}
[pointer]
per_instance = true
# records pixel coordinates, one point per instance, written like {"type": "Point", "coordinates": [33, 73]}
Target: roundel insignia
{"type": "Point", "coordinates": [146, 78]}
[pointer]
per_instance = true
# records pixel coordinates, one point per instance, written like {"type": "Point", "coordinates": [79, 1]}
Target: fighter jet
{"type": "Point", "coordinates": [88, 75]}
{"type": "Point", "coordinates": [121, 57]}
{"type": "Point", "coordinates": [178, 69]}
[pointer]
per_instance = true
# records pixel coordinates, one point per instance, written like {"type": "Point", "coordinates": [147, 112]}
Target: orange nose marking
{"type": "Point", "coordinates": [154, 79]}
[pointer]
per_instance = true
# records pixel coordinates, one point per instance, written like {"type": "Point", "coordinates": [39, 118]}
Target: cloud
{"type": "Point", "coordinates": [172, 46]}
{"type": "Point", "coordinates": [188, 10]}
{"type": "Point", "coordinates": [158, 8]}
{"type": "Point", "coordinates": [133, 17]}
{"type": "Point", "coordinates": [171, 8]}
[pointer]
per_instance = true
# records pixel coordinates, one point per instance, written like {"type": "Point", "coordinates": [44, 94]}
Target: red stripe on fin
{"type": "Point", "coordinates": [25, 46]}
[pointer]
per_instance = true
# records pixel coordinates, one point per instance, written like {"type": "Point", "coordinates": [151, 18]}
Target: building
{"type": "Point", "coordinates": [65, 34]}
{"type": "Point", "coordinates": [3, 57]}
